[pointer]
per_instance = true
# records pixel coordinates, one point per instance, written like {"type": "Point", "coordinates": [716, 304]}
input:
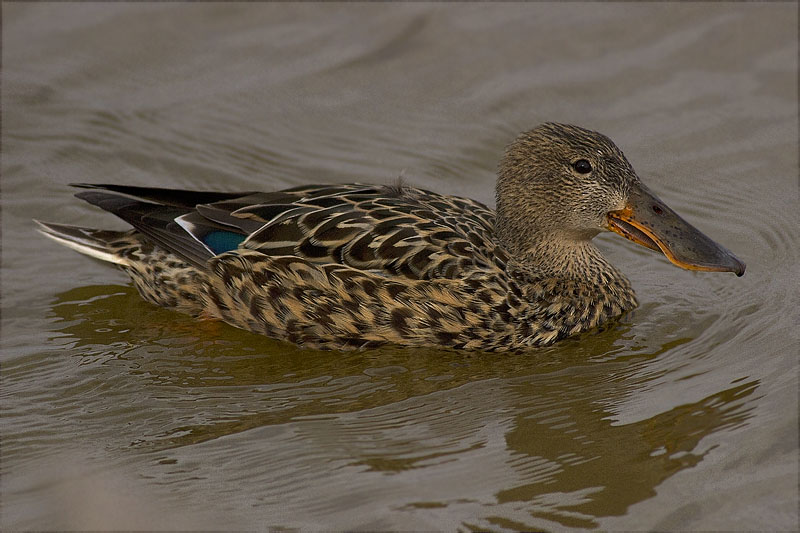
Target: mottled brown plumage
{"type": "Point", "coordinates": [348, 266]}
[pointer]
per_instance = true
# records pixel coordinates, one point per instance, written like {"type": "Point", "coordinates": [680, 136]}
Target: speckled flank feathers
{"type": "Point", "coordinates": [348, 266]}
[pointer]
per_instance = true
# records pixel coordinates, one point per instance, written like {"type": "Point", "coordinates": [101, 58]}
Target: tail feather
{"type": "Point", "coordinates": [167, 218]}
{"type": "Point", "coordinates": [156, 222]}
{"type": "Point", "coordinates": [92, 242]}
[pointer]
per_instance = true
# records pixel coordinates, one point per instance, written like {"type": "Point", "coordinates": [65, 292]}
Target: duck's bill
{"type": "Point", "coordinates": [648, 221]}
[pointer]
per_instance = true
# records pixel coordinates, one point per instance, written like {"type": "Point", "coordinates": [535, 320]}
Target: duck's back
{"type": "Point", "coordinates": [394, 231]}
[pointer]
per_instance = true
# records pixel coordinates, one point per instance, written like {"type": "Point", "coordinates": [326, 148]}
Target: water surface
{"type": "Point", "coordinates": [119, 415]}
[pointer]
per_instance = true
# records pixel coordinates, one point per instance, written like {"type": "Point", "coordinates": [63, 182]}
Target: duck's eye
{"type": "Point", "coordinates": [582, 166]}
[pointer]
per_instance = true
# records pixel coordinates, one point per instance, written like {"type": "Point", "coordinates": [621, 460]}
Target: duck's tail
{"type": "Point", "coordinates": [100, 244]}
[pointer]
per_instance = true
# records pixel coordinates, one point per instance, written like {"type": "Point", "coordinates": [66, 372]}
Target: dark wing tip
{"type": "Point", "coordinates": [164, 196]}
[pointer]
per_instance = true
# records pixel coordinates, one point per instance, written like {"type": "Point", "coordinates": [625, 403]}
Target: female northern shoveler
{"type": "Point", "coordinates": [344, 266]}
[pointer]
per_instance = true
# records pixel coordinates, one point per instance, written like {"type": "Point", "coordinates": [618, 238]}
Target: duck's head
{"type": "Point", "coordinates": [560, 185]}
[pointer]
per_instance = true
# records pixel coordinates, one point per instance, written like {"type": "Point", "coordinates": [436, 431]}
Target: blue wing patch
{"type": "Point", "coordinates": [223, 241]}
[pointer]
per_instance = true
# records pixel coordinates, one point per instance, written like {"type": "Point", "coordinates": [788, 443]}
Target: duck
{"type": "Point", "coordinates": [348, 266]}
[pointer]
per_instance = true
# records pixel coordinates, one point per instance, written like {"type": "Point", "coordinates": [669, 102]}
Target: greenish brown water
{"type": "Point", "coordinates": [119, 415]}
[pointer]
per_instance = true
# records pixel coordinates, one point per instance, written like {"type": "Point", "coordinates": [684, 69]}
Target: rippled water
{"type": "Point", "coordinates": [117, 414]}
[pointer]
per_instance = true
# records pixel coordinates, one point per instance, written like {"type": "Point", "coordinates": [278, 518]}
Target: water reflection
{"type": "Point", "coordinates": [604, 468]}
{"type": "Point", "coordinates": [536, 430]}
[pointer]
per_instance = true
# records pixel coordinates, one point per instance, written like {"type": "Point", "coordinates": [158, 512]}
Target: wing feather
{"type": "Point", "coordinates": [393, 231]}
{"type": "Point", "coordinates": [396, 230]}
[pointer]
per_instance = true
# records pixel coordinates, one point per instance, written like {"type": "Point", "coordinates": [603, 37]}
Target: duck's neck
{"type": "Point", "coordinates": [544, 248]}
{"type": "Point", "coordinates": [569, 259]}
